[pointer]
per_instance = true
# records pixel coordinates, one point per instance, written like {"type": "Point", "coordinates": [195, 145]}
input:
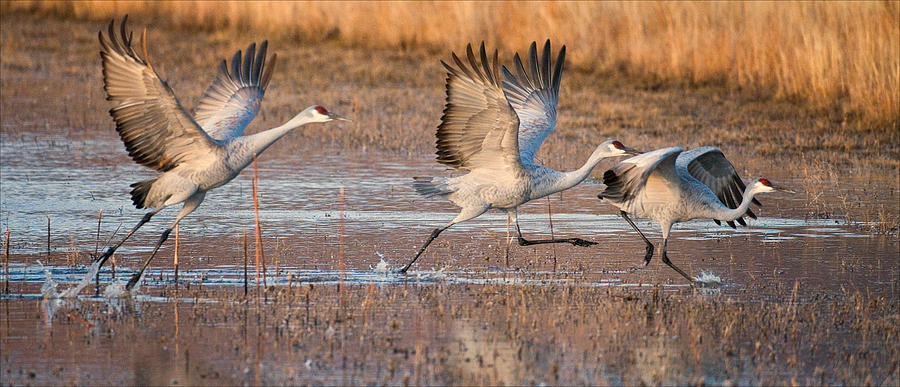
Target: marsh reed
{"type": "Point", "coordinates": [260, 254]}
{"type": "Point", "coordinates": [6, 263]}
{"type": "Point", "coordinates": [245, 262]}
{"type": "Point", "coordinates": [839, 57]}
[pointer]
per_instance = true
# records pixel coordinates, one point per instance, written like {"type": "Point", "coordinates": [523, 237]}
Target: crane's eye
{"type": "Point", "coordinates": [321, 110]}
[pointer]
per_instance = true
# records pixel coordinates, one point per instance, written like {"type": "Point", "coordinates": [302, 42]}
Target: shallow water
{"type": "Point", "coordinates": [321, 208]}
{"type": "Point", "coordinates": [338, 220]}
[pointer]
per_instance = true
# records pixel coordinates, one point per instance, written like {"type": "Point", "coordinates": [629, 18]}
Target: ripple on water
{"type": "Point", "coordinates": [300, 206]}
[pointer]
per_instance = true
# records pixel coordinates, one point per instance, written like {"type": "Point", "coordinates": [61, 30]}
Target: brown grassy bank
{"type": "Point", "coordinates": [840, 58]}
{"type": "Point", "coordinates": [461, 334]}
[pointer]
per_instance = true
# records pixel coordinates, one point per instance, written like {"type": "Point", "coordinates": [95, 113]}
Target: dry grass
{"type": "Point", "coordinates": [841, 58]}
{"type": "Point", "coordinates": [460, 334]}
{"type": "Point", "coordinates": [395, 100]}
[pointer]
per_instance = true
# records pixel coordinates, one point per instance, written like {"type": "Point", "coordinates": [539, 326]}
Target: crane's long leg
{"type": "Point", "coordinates": [649, 254]}
{"type": "Point", "coordinates": [464, 215]}
{"type": "Point", "coordinates": [434, 234]}
{"type": "Point", "coordinates": [665, 260]}
{"type": "Point", "coordinates": [134, 279]}
{"type": "Point", "coordinates": [525, 242]}
{"type": "Point", "coordinates": [112, 249]}
{"type": "Point", "coordinates": [508, 240]}
{"type": "Point", "coordinates": [190, 205]}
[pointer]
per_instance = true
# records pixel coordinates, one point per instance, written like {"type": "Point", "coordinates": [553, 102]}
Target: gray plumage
{"type": "Point", "coordinates": [669, 186]}
{"type": "Point", "coordinates": [194, 154]}
{"type": "Point", "coordinates": [492, 128]}
{"type": "Point", "coordinates": [233, 99]}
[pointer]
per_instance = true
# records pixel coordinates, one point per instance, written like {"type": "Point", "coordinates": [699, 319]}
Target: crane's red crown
{"type": "Point", "coordinates": [321, 110]}
{"type": "Point", "coordinates": [765, 182]}
{"type": "Point", "coordinates": [618, 145]}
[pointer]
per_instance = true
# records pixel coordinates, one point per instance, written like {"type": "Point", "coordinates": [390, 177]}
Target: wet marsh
{"type": "Point", "coordinates": [808, 294]}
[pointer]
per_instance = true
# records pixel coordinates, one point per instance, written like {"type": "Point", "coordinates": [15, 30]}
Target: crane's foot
{"type": "Point", "coordinates": [404, 269]}
{"type": "Point", "coordinates": [574, 241]}
{"type": "Point", "coordinates": [133, 281]}
{"type": "Point", "coordinates": [649, 255]}
{"type": "Point", "coordinates": [106, 254]}
{"type": "Point", "coordinates": [581, 242]}
{"type": "Point", "coordinates": [666, 260]}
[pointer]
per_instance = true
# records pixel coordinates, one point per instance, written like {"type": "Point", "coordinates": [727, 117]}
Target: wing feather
{"type": "Point", "coordinates": [158, 133]}
{"type": "Point", "coordinates": [478, 128]}
{"type": "Point", "coordinates": [233, 99]}
{"type": "Point", "coordinates": [709, 166]}
{"type": "Point", "coordinates": [626, 178]}
{"type": "Point", "coordinates": [534, 94]}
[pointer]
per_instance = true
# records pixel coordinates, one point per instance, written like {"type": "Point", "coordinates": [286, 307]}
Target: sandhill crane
{"type": "Point", "coordinates": [192, 154]}
{"type": "Point", "coordinates": [670, 186]}
{"type": "Point", "coordinates": [493, 129]}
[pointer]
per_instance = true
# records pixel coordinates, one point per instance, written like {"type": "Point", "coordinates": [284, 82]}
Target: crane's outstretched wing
{"type": "Point", "coordinates": [626, 178]}
{"type": "Point", "coordinates": [534, 97]}
{"type": "Point", "coordinates": [233, 99]}
{"type": "Point", "coordinates": [158, 133]}
{"type": "Point", "coordinates": [709, 166]}
{"type": "Point", "coordinates": [479, 127]}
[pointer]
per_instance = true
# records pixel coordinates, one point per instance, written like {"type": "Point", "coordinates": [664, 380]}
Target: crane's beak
{"type": "Point", "coordinates": [338, 117]}
{"type": "Point", "coordinates": [782, 189]}
{"type": "Point", "coordinates": [632, 151]}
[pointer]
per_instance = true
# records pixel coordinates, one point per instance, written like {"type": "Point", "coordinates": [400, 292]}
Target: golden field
{"type": "Point", "coordinates": [841, 59]}
{"type": "Point", "coordinates": [809, 293]}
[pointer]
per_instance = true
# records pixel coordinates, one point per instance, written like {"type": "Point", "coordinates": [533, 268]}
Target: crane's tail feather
{"type": "Point", "coordinates": [428, 187]}
{"type": "Point", "coordinates": [140, 191]}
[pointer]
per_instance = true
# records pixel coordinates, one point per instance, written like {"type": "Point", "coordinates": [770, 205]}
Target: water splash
{"type": "Point", "coordinates": [708, 278]}
{"type": "Point", "coordinates": [708, 283]}
{"type": "Point", "coordinates": [114, 290]}
{"type": "Point", "coordinates": [431, 275]}
{"type": "Point", "coordinates": [382, 266]}
{"type": "Point", "coordinates": [85, 281]}
{"type": "Point", "coordinates": [52, 300]}
{"type": "Point", "coordinates": [48, 289]}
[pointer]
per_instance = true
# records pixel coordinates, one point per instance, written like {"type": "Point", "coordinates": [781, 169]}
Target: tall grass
{"type": "Point", "coordinates": [842, 58]}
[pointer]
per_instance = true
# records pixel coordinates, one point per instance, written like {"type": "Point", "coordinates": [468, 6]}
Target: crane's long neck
{"type": "Point", "coordinates": [261, 141]}
{"type": "Point", "coordinates": [244, 148]}
{"type": "Point", "coordinates": [723, 213]}
{"type": "Point", "coordinates": [555, 181]}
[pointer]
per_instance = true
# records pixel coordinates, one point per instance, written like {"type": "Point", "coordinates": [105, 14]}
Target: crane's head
{"type": "Point", "coordinates": [318, 113]}
{"type": "Point", "coordinates": [613, 148]}
{"type": "Point", "coordinates": [764, 185]}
